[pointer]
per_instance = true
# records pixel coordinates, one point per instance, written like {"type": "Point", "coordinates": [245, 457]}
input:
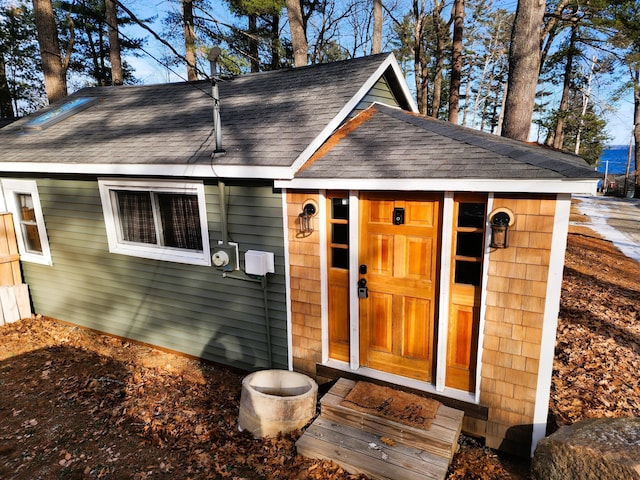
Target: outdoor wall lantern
{"type": "Point", "coordinates": [500, 220]}
{"type": "Point", "coordinates": [305, 218]}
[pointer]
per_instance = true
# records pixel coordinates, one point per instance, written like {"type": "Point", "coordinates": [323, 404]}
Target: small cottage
{"type": "Point", "coordinates": [305, 219]}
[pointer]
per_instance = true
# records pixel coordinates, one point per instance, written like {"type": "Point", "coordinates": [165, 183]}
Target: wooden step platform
{"type": "Point", "coordinates": [352, 439]}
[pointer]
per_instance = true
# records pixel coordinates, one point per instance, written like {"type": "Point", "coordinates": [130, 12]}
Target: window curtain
{"type": "Point", "coordinates": [180, 221]}
{"type": "Point", "coordinates": [136, 217]}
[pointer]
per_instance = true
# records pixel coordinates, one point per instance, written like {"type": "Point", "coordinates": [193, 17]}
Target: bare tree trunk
{"type": "Point", "coordinates": [465, 110]}
{"type": "Point", "coordinates": [117, 74]}
{"type": "Point", "coordinates": [586, 96]}
{"type": "Point", "coordinates": [275, 42]}
{"type": "Point", "coordinates": [558, 138]}
{"type": "Point", "coordinates": [298, 33]}
{"type": "Point", "coordinates": [189, 40]}
{"type": "Point", "coordinates": [420, 59]}
{"type": "Point", "coordinates": [6, 107]}
{"type": "Point", "coordinates": [524, 68]}
{"type": "Point", "coordinates": [254, 55]}
{"type": "Point", "coordinates": [501, 115]}
{"type": "Point", "coordinates": [376, 40]}
{"type": "Point", "coordinates": [551, 30]}
{"type": "Point", "coordinates": [440, 33]}
{"type": "Point", "coordinates": [456, 60]}
{"type": "Point", "coordinates": [55, 75]}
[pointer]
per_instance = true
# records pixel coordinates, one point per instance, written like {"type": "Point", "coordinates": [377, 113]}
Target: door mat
{"type": "Point", "coordinates": [385, 402]}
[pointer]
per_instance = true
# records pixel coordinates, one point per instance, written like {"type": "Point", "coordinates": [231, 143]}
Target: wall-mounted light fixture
{"type": "Point", "coordinates": [500, 220]}
{"type": "Point", "coordinates": [305, 218]}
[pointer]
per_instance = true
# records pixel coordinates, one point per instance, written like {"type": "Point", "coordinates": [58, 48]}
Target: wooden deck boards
{"type": "Point", "coordinates": [358, 451]}
{"type": "Point", "coordinates": [352, 440]}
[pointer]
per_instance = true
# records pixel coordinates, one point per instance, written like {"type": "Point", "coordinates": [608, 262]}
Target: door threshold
{"type": "Point", "coordinates": [450, 397]}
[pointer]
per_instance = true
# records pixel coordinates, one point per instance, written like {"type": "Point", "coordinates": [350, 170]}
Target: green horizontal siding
{"type": "Point", "coordinates": [187, 308]}
{"type": "Point", "coordinates": [381, 93]}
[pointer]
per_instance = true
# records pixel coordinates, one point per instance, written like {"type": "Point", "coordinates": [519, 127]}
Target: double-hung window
{"type": "Point", "coordinates": [161, 220]}
{"type": "Point", "coordinates": [23, 201]}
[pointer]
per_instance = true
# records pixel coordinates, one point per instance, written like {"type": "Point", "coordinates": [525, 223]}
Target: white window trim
{"type": "Point", "coordinates": [12, 188]}
{"type": "Point", "coordinates": [169, 254]}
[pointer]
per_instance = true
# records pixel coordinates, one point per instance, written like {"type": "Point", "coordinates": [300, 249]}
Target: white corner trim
{"type": "Point", "coordinates": [446, 235]}
{"type": "Point", "coordinates": [354, 274]}
{"type": "Point", "coordinates": [550, 322]}
{"type": "Point", "coordinates": [287, 279]}
{"type": "Point", "coordinates": [324, 274]}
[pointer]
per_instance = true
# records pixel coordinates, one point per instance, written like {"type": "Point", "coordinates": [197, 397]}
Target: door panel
{"type": "Point", "coordinates": [337, 206]}
{"type": "Point", "coordinates": [381, 324]}
{"type": "Point", "coordinates": [397, 318]}
{"type": "Point", "coordinates": [380, 253]}
{"type": "Point", "coordinates": [465, 290]}
{"type": "Point", "coordinates": [416, 332]}
{"type": "Point", "coordinates": [339, 315]}
{"type": "Point", "coordinates": [419, 257]}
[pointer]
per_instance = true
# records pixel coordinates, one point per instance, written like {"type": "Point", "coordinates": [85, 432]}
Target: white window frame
{"type": "Point", "coordinates": [108, 187]}
{"type": "Point", "coordinates": [12, 188]}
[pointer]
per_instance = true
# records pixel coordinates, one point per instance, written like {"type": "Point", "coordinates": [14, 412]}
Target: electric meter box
{"type": "Point", "coordinates": [258, 263]}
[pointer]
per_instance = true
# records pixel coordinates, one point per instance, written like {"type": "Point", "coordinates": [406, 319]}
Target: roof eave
{"type": "Point", "coordinates": [154, 170]}
{"type": "Point", "coordinates": [565, 185]}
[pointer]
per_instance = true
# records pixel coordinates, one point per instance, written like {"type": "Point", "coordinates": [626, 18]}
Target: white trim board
{"type": "Point", "coordinates": [404, 381]}
{"type": "Point", "coordinates": [152, 170]}
{"type": "Point", "coordinates": [550, 322]}
{"type": "Point", "coordinates": [12, 188]}
{"type": "Point", "coordinates": [445, 184]}
{"type": "Point", "coordinates": [287, 279]}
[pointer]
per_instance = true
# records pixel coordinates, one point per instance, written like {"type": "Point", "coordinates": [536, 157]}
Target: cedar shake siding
{"type": "Point", "coordinates": [516, 293]}
{"type": "Point", "coordinates": [306, 310]}
{"type": "Point", "coordinates": [186, 308]}
{"type": "Point", "coordinates": [515, 309]}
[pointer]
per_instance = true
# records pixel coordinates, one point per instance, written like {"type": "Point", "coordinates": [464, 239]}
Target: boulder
{"type": "Point", "coordinates": [595, 449]}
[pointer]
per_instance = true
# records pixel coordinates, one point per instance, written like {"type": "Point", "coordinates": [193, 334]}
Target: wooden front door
{"type": "Point", "coordinates": [400, 257]}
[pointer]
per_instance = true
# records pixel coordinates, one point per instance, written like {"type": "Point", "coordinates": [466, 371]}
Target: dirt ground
{"type": "Point", "coordinates": [79, 405]}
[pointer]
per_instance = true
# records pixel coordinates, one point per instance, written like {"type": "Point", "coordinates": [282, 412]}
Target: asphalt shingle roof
{"type": "Point", "coordinates": [268, 119]}
{"type": "Point", "coordinates": [413, 146]}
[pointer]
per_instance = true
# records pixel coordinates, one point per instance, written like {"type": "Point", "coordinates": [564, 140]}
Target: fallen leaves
{"type": "Point", "coordinates": [598, 339]}
{"type": "Point", "coordinates": [76, 404]}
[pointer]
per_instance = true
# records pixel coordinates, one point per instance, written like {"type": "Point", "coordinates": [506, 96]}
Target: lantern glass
{"type": "Point", "coordinates": [499, 236]}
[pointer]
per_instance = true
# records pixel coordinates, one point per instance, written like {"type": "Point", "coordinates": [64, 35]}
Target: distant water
{"type": "Point", "coordinates": [616, 156]}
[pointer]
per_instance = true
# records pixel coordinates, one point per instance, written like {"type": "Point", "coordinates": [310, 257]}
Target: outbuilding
{"type": "Point", "coordinates": [317, 224]}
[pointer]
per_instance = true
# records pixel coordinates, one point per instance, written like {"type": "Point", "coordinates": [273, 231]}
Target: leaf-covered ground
{"type": "Point", "coordinates": [79, 405]}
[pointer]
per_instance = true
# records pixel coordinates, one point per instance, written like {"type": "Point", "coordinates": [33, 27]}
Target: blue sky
{"type": "Point", "coordinates": [148, 70]}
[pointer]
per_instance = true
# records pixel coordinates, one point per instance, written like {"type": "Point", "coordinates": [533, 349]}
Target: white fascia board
{"type": "Point", "coordinates": [576, 186]}
{"type": "Point", "coordinates": [317, 142]}
{"type": "Point", "coordinates": [194, 171]}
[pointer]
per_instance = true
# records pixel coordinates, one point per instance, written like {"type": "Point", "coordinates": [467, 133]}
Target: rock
{"type": "Point", "coordinates": [595, 449]}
